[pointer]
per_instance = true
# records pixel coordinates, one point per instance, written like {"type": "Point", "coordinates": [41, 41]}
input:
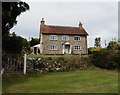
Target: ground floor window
{"type": "Point", "coordinates": [78, 47]}
{"type": "Point", "coordinates": [53, 47]}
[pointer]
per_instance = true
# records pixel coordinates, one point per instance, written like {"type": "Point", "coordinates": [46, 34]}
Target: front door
{"type": "Point", "coordinates": [67, 49]}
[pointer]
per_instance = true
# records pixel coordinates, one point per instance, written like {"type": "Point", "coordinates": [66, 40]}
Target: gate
{"type": "Point", "coordinates": [13, 64]}
{"type": "Point", "coordinates": [20, 64]}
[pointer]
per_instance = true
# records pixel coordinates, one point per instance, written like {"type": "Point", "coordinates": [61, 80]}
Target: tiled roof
{"type": "Point", "coordinates": [48, 29]}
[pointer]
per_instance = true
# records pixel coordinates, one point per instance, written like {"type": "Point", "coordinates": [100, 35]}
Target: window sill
{"type": "Point", "coordinates": [77, 50]}
{"type": "Point", "coordinates": [53, 40]}
{"type": "Point", "coordinates": [53, 49]}
{"type": "Point", "coordinates": [77, 40]}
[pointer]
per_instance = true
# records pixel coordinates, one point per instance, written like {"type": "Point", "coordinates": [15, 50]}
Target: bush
{"type": "Point", "coordinates": [107, 59]}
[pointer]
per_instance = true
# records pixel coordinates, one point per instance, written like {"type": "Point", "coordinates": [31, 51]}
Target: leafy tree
{"type": "Point", "coordinates": [10, 11]}
{"type": "Point", "coordinates": [15, 44]}
{"type": "Point", "coordinates": [97, 42]}
{"type": "Point", "coordinates": [108, 58]}
{"type": "Point", "coordinates": [34, 41]}
{"type": "Point", "coordinates": [113, 45]}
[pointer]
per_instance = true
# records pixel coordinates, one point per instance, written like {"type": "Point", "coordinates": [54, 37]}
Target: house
{"type": "Point", "coordinates": [62, 39]}
{"type": "Point", "coordinates": [35, 49]}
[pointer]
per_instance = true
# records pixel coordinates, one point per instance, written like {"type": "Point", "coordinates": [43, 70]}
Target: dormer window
{"type": "Point", "coordinates": [53, 37]}
{"type": "Point", "coordinates": [65, 37]}
{"type": "Point", "coordinates": [77, 38]}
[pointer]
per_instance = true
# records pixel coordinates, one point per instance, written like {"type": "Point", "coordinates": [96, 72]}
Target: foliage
{"type": "Point", "coordinates": [113, 45]}
{"type": "Point", "coordinates": [14, 44]}
{"type": "Point", "coordinates": [93, 49]}
{"type": "Point", "coordinates": [107, 59]}
{"type": "Point", "coordinates": [90, 50]}
{"type": "Point", "coordinates": [97, 42]}
{"type": "Point", "coordinates": [34, 41]}
{"type": "Point", "coordinates": [10, 11]}
{"type": "Point", "coordinates": [11, 42]}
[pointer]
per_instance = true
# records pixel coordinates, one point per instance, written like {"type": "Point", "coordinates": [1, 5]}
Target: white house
{"type": "Point", "coordinates": [35, 49]}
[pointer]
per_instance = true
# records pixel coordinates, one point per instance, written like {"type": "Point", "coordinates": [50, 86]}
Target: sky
{"type": "Point", "coordinates": [100, 19]}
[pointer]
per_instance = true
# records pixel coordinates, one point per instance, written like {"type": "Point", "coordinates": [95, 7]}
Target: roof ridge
{"type": "Point", "coordinates": [62, 26]}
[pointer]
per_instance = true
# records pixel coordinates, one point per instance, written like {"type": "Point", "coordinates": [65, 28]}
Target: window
{"type": "Point", "coordinates": [77, 38]}
{"type": "Point", "coordinates": [53, 47]}
{"type": "Point", "coordinates": [53, 37]}
{"type": "Point", "coordinates": [77, 47]}
{"type": "Point", "coordinates": [65, 37]}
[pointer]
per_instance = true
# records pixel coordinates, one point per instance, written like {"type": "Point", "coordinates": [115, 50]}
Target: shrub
{"type": "Point", "coordinates": [107, 59]}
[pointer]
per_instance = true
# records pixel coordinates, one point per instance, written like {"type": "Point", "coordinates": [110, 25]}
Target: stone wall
{"type": "Point", "coordinates": [58, 63]}
{"type": "Point", "coordinates": [46, 42]}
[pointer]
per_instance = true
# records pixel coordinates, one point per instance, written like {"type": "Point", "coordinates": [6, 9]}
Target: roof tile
{"type": "Point", "coordinates": [48, 29]}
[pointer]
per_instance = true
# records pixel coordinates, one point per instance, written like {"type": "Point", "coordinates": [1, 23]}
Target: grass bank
{"type": "Point", "coordinates": [91, 80]}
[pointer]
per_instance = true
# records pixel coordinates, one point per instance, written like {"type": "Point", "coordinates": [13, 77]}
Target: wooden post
{"type": "Point", "coordinates": [24, 71]}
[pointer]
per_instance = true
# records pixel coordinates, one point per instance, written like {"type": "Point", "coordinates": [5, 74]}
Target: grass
{"type": "Point", "coordinates": [79, 81]}
{"type": "Point", "coordinates": [55, 56]}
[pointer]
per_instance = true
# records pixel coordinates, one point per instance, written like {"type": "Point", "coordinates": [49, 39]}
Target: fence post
{"type": "Point", "coordinates": [25, 58]}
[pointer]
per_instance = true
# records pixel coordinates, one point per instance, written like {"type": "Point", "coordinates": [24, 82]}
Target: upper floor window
{"type": "Point", "coordinates": [77, 47]}
{"type": "Point", "coordinates": [77, 38]}
{"type": "Point", "coordinates": [65, 37]}
{"type": "Point", "coordinates": [53, 47]}
{"type": "Point", "coordinates": [53, 37]}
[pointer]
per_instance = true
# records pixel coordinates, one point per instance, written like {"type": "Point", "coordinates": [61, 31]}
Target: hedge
{"type": "Point", "coordinates": [107, 59]}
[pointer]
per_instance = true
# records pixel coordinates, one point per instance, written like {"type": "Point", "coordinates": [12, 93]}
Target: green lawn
{"type": "Point", "coordinates": [80, 81]}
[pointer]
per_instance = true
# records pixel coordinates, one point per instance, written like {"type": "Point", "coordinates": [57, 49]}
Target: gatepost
{"type": "Point", "coordinates": [25, 58]}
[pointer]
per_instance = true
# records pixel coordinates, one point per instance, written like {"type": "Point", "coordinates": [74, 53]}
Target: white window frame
{"type": "Point", "coordinates": [53, 37]}
{"type": "Point", "coordinates": [79, 38]}
{"type": "Point", "coordinates": [53, 47]}
{"type": "Point", "coordinates": [65, 38]}
{"type": "Point", "coordinates": [77, 47]}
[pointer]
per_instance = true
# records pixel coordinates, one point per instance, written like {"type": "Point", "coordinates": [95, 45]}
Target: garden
{"type": "Point", "coordinates": [90, 80]}
{"type": "Point", "coordinates": [64, 74]}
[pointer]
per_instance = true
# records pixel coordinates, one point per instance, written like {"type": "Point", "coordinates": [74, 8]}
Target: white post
{"type": "Point", "coordinates": [70, 49]}
{"type": "Point", "coordinates": [24, 72]}
{"type": "Point", "coordinates": [63, 49]}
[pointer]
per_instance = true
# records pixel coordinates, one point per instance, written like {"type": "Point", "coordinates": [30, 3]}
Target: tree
{"type": "Point", "coordinates": [108, 58]}
{"type": "Point", "coordinates": [113, 45]}
{"type": "Point", "coordinates": [15, 44]}
{"type": "Point", "coordinates": [97, 42]}
{"type": "Point", "coordinates": [34, 41]}
{"type": "Point", "coordinates": [10, 11]}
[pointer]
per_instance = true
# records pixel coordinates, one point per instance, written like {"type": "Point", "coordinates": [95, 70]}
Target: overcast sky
{"type": "Point", "coordinates": [100, 19]}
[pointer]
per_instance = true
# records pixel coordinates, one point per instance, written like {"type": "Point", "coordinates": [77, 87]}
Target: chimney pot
{"type": "Point", "coordinates": [42, 21]}
{"type": "Point", "coordinates": [80, 24]}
